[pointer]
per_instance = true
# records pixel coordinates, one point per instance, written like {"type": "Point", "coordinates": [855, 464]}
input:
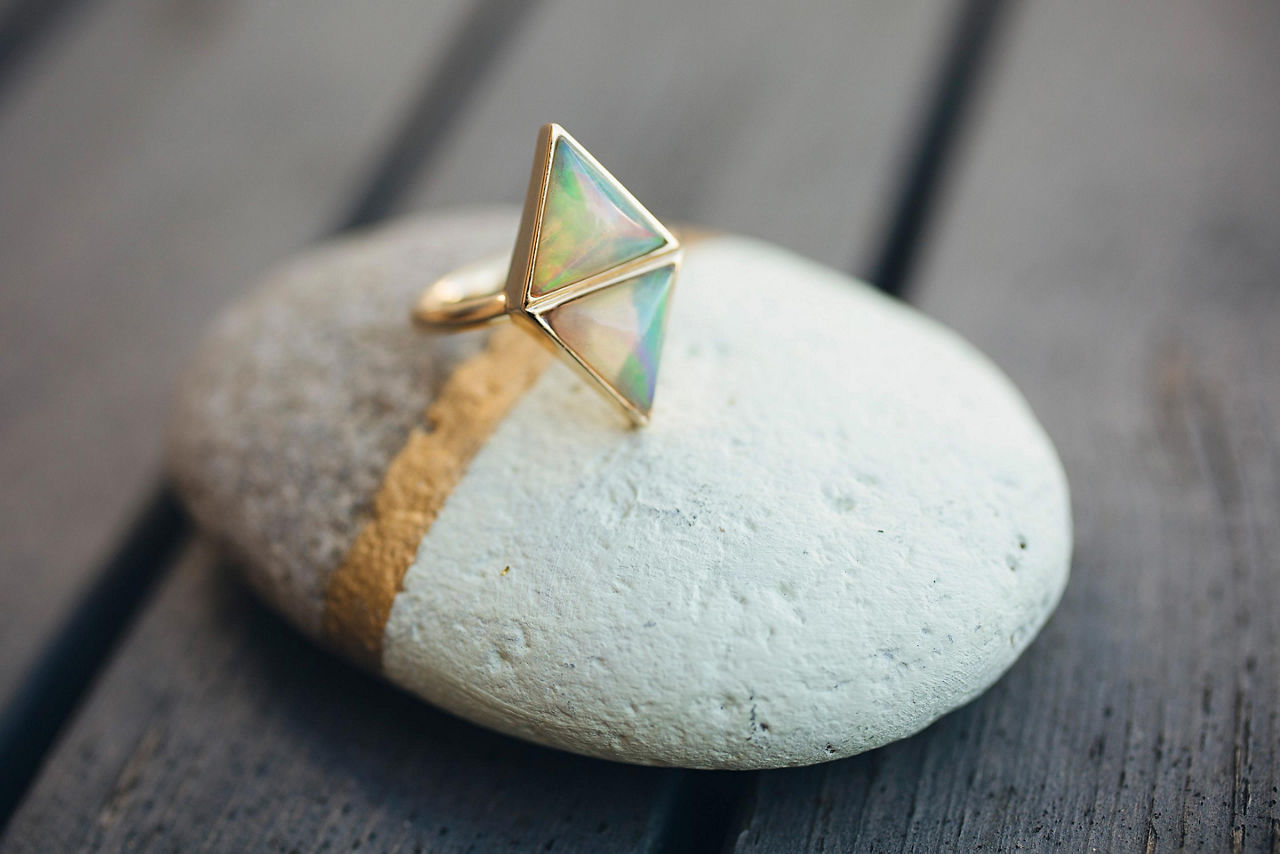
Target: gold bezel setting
{"type": "Point", "coordinates": [469, 297]}
{"type": "Point", "coordinates": [531, 311]}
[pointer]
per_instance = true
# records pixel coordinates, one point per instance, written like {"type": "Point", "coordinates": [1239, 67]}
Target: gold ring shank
{"type": "Point", "coordinates": [471, 296]}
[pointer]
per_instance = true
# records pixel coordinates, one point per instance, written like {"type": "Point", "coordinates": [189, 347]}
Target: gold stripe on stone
{"type": "Point", "coordinates": [473, 401]}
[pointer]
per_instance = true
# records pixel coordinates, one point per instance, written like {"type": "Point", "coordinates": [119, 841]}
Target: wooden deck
{"type": "Point", "coordinates": [1089, 191]}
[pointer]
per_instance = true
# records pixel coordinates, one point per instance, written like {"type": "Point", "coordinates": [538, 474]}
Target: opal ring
{"type": "Point", "coordinates": [591, 276]}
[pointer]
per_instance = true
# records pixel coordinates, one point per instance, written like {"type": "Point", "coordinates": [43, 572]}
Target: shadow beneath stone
{"type": "Point", "coordinates": [354, 759]}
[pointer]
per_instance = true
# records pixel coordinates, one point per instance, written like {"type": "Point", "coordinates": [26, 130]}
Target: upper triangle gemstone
{"type": "Point", "coordinates": [618, 332]}
{"type": "Point", "coordinates": [588, 224]}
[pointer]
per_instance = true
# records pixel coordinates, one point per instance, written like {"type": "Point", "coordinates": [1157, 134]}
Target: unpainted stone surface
{"type": "Point", "coordinates": [302, 392]}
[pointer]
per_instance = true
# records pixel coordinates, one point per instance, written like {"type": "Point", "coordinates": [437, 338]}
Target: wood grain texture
{"type": "Point", "coordinates": [695, 110]}
{"type": "Point", "coordinates": [237, 734]}
{"type": "Point", "coordinates": [1114, 244]}
{"type": "Point", "coordinates": [777, 120]}
{"type": "Point", "coordinates": [153, 156]}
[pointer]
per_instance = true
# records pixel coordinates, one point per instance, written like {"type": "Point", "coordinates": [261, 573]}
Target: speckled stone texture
{"type": "Point", "coordinates": [302, 393]}
{"type": "Point", "coordinates": [842, 523]}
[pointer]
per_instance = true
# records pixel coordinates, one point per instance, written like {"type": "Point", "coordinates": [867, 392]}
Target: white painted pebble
{"type": "Point", "coordinates": [842, 523]}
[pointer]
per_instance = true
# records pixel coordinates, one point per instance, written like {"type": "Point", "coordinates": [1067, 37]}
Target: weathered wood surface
{"type": "Point", "coordinates": [220, 728]}
{"type": "Point", "coordinates": [215, 724]}
{"type": "Point", "coordinates": [154, 156]}
{"type": "Point", "coordinates": [784, 121]}
{"type": "Point", "coordinates": [1114, 244]}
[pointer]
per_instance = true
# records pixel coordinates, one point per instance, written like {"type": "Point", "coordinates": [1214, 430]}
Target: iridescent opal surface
{"type": "Point", "coordinates": [618, 331]}
{"type": "Point", "coordinates": [588, 224]}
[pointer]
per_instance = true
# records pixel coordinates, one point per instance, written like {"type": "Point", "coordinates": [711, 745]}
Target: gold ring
{"type": "Point", "coordinates": [591, 276]}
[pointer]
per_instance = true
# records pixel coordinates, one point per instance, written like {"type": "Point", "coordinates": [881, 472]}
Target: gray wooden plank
{"type": "Point", "coordinates": [783, 121]}
{"type": "Point", "coordinates": [1114, 244]}
{"type": "Point", "coordinates": [239, 735]}
{"type": "Point", "coordinates": [708, 135]}
{"type": "Point", "coordinates": [153, 156]}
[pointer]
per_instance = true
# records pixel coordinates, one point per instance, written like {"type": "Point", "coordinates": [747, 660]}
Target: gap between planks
{"type": "Point", "coordinates": [711, 810]}
{"type": "Point", "coordinates": [24, 24]}
{"type": "Point", "coordinates": [57, 680]}
{"type": "Point", "coordinates": [702, 808]}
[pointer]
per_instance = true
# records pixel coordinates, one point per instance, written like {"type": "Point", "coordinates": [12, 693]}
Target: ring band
{"type": "Point", "coordinates": [591, 275]}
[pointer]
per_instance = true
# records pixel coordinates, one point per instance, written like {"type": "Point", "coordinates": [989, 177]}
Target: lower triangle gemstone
{"type": "Point", "coordinates": [618, 331]}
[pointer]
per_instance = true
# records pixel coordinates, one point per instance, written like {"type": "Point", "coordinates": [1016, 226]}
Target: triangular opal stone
{"type": "Point", "coordinates": [618, 331]}
{"type": "Point", "coordinates": [588, 224]}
